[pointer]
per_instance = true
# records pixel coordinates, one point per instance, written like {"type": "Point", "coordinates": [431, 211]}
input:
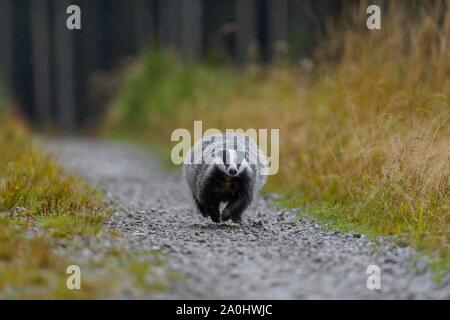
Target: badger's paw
{"type": "Point", "coordinates": [236, 219]}
{"type": "Point", "coordinates": [216, 217]}
{"type": "Point", "coordinates": [225, 215]}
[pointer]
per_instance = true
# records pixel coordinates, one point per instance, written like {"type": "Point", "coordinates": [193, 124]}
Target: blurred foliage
{"type": "Point", "coordinates": [160, 86]}
{"type": "Point", "coordinates": [364, 135]}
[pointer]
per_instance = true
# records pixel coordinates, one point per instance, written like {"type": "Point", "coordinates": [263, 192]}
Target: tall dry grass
{"type": "Point", "coordinates": [365, 136]}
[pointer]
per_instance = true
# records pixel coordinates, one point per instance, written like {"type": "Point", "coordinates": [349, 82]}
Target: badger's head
{"type": "Point", "coordinates": [231, 162]}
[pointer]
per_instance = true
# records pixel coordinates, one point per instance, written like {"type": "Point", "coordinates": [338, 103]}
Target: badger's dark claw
{"type": "Point", "coordinates": [236, 219]}
{"type": "Point", "coordinates": [226, 215]}
{"type": "Point", "coordinates": [215, 217]}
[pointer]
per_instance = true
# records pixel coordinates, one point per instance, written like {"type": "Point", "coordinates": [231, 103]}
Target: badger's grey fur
{"type": "Point", "coordinates": [224, 173]}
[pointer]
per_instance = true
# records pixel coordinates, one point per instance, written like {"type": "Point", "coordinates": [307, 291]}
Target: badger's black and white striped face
{"type": "Point", "coordinates": [231, 162]}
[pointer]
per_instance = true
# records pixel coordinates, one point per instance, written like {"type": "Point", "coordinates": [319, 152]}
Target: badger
{"type": "Point", "coordinates": [224, 173]}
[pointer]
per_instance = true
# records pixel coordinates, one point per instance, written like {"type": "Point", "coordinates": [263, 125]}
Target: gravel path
{"type": "Point", "coordinates": [271, 255]}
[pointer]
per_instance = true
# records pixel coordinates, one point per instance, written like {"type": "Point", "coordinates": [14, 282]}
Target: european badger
{"type": "Point", "coordinates": [224, 173]}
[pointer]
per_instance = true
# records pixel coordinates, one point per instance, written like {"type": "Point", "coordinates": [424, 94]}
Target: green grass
{"type": "Point", "coordinates": [43, 209]}
{"type": "Point", "coordinates": [364, 139]}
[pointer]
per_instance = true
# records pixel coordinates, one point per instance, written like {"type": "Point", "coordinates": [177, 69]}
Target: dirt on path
{"type": "Point", "coordinates": [271, 255]}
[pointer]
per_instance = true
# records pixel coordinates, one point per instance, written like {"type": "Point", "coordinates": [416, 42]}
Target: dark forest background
{"type": "Point", "coordinates": [50, 71]}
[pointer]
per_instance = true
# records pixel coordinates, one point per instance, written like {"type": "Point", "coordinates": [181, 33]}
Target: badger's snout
{"type": "Point", "coordinates": [232, 171]}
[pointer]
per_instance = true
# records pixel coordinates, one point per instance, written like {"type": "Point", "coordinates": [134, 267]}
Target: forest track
{"type": "Point", "coordinates": [271, 255]}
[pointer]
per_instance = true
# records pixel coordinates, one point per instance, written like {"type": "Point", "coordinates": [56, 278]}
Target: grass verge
{"type": "Point", "coordinates": [47, 218]}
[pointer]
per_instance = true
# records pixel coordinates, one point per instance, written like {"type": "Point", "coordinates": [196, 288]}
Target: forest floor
{"type": "Point", "coordinates": [274, 254]}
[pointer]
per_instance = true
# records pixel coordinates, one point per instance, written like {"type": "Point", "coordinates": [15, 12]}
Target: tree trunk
{"type": "Point", "coordinates": [64, 68]}
{"type": "Point", "coordinates": [41, 60]}
{"type": "Point", "coordinates": [6, 43]}
{"type": "Point", "coordinates": [169, 20]}
{"type": "Point", "coordinates": [143, 24]}
{"type": "Point", "coordinates": [90, 39]}
{"type": "Point", "coordinates": [246, 45]}
{"type": "Point", "coordinates": [191, 28]}
{"type": "Point", "coordinates": [277, 29]}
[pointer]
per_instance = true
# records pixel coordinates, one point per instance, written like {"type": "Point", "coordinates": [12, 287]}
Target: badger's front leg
{"type": "Point", "coordinates": [210, 208]}
{"type": "Point", "coordinates": [236, 207]}
{"type": "Point", "coordinates": [214, 212]}
{"type": "Point", "coordinates": [210, 203]}
{"type": "Point", "coordinates": [200, 208]}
